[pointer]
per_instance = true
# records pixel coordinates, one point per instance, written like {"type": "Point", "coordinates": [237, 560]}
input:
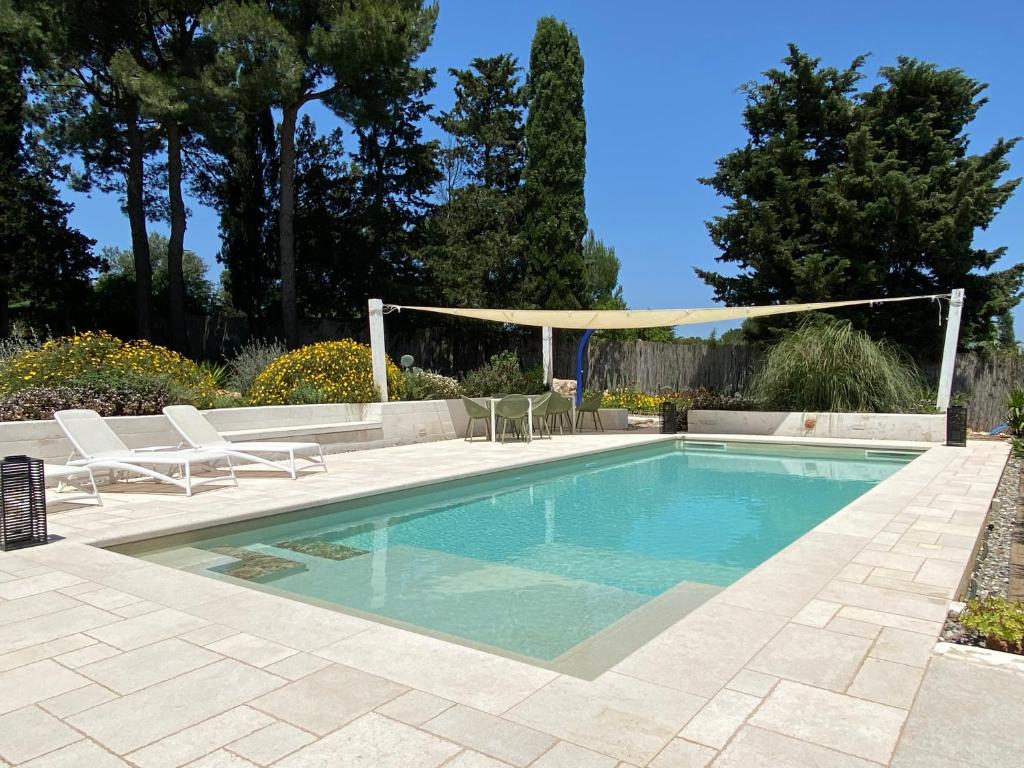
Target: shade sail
{"type": "Point", "coordinates": [607, 319]}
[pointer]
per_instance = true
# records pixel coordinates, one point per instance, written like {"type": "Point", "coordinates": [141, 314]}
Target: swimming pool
{"type": "Point", "coordinates": [571, 564]}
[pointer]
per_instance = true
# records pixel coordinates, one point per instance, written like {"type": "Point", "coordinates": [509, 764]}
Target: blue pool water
{"type": "Point", "coordinates": [536, 562]}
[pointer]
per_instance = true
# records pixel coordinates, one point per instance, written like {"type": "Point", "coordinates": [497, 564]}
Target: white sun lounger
{"type": "Point", "coordinates": [198, 432]}
{"type": "Point", "coordinates": [98, 447]}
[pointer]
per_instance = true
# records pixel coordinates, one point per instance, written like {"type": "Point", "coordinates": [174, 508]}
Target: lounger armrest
{"type": "Point", "coordinates": [154, 448]}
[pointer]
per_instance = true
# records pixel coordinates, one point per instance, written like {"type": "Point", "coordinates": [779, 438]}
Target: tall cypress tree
{"type": "Point", "coordinates": [556, 139]}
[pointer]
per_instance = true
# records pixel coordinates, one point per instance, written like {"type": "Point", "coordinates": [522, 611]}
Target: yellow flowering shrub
{"type": "Point", "coordinates": [337, 371]}
{"type": "Point", "coordinates": [100, 356]}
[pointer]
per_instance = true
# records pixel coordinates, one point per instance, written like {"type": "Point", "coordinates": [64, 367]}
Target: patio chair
{"type": "Point", "coordinates": [475, 412]}
{"type": "Point", "coordinates": [100, 448]}
{"type": "Point", "coordinates": [513, 409]}
{"type": "Point", "coordinates": [540, 412]}
{"type": "Point", "coordinates": [558, 410]}
{"type": "Point", "coordinates": [198, 432]}
{"type": "Point", "coordinates": [591, 404]}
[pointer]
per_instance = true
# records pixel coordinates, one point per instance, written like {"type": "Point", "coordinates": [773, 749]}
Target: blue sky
{"type": "Point", "coordinates": [662, 104]}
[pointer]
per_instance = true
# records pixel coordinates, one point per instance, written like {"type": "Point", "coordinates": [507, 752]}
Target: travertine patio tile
{"type": "Point", "coordinates": [854, 572]}
{"type": "Point", "coordinates": [107, 598]}
{"type": "Point", "coordinates": [141, 718]}
{"type": "Point", "coordinates": [813, 656]}
{"type": "Point", "coordinates": [912, 587]}
{"type": "Point", "coordinates": [832, 720]}
{"type": "Point", "coordinates": [28, 733]}
{"type": "Point", "coordinates": [133, 670]}
{"type": "Point", "coordinates": [783, 590]}
{"type": "Point", "coordinates": [956, 716]}
{"type": "Point", "coordinates": [26, 685]}
{"type": "Point", "coordinates": [328, 699]}
{"type": "Point", "coordinates": [34, 585]}
{"type": "Point", "coordinates": [288, 622]}
{"type": "Point", "coordinates": [884, 619]}
{"type": "Point", "coordinates": [888, 600]}
{"type": "Point", "coordinates": [172, 588]}
{"type": "Point", "coordinates": [755, 683]}
{"type": "Point", "coordinates": [373, 740]}
{"type": "Point", "coordinates": [271, 743]}
{"type": "Point", "coordinates": [47, 650]}
{"type": "Point", "coordinates": [136, 632]}
{"type": "Point", "coordinates": [616, 715]}
{"type": "Point", "coordinates": [906, 757]}
{"type": "Point", "coordinates": [886, 682]}
{"type": "Point", "coordinates": [903, 647]}
{"type": "Point", "coordinates": [415, 707]}
{"type": "Point", "coordinates": [470, 759]}
{"type": "Point", "coordinates": [565, 755]}
{"type": "Point", "coordinates": [211, 633]}
{"type": "Point", "coordinates": [199, 740]}
{"type": "Point", "coordinates": [758, 748]}
{"type": "Point", "coordinates": [479, 680]}
{"type": "Point", "coordinates": [222, 759]}
{"type": "Point", "coordinates": [78, 700]}
{"type": "Point", "coordinates": [299, 665]}
{"type": "Point", "coordinates": [81, 754]}
{"type": "Point", "coordinates": [893, 561]}
{"type": "Point", "coordinates": [494, 736]}
{"type": "Point", "coordinates": [940, 572]}
{"type": "Point", "coordinates": [51, 626]}
{"type": "Point", "coordinates": [720, 718]}
{"type": "Point", "coordinates": [87, 655]}
{"type": "Point", "coordinates": [683, 754]}
{"type": "Point", "coordinates": [252, 650]}
{"type": "Point", "coordinates": [817, 613]}
{"type": "Point", "coordinates": [680, 657]}
{"type": "Point", "coordinates": [140, 608]}
{"type": "Point", "coordinates": [35, 605]}
{"type": "Point", "coordinates": [855, 628]}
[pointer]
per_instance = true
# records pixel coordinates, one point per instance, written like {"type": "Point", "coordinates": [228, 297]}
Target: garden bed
{"type": "Point", "coordinates": [998, 571]}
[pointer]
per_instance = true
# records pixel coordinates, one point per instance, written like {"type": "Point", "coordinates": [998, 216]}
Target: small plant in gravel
{"type": "Point", "coordinates": [1015, 413]}
{"type": "Point", "coordinates": [998, 620]}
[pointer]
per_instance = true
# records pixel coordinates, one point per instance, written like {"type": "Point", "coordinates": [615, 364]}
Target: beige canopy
{"type": "Point", "coordinates": [605, 319]}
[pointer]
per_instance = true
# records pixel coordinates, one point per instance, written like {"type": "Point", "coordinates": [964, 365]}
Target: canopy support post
{"type": "Point", "coordinates": [956, 303]}
{"type": "Point", "coordinates": [580, 352]}
{"type": "Point", "coordinates": [378, 354]}
{"type": "Point", "coordinates": [549, 358]}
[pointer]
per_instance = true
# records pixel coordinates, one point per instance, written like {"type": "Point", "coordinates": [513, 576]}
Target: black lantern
{"type": "Point", "coordinates": [22, 503]}
{"type": "Point", "coordinates": [956, 426]}
{"type": "Point", "coordinates": [669, 418]}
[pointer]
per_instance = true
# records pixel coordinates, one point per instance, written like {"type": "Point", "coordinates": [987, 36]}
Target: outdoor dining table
{"type": "Point", "coordinates": [491, 401]}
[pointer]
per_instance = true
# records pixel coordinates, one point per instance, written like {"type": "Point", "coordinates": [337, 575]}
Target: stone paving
{"type": "Point", "coordinates": [825, 655]}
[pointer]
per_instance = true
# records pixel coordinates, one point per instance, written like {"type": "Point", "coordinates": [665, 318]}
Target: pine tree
{"type": "Point", "coordinates": [846, 195]}
{"type": "Point", "coordinates": [556, 137]}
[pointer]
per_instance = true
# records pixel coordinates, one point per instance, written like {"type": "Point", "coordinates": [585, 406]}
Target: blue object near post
{"type": "Point", "coordinates": [580, 351]}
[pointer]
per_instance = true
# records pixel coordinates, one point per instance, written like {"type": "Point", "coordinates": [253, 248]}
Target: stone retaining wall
{"type": "Point", "coordinates": [929, 428]}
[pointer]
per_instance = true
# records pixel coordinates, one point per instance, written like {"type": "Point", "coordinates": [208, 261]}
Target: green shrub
{"type": "Point", "coordinates": [999, 621]}
{"type": "Point", "coordinates": [503, 375]}
{"type": "Point", "coordinates": [427, 385]}
{"type": "Point", "coordinates": [632, 400]}
{"type": "Point", "coordinates": [139, 397]}
{"type": "Point", "coordinates": [102, 358]}
{"type": "Point", "coordinates": [827, 365]}
{"type": "Point", "coordinates": [249, 362]}
{"type": "Point", "coordinates": [326, 372]}
{"type": "Point", "coordinates": [704, 399]}
{"type": "Point", "coordinates": [1015, 413]}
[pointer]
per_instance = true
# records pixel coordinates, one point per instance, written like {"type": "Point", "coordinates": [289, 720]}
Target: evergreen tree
{"type": "Point", "coordinates": [556, 137]}
{"type": "Point", "coordinates": [44, 262]}
{"type": "Point", "coordinates": [474, 245]}
{"type": "Point", "coordinates": [846, 195]}
{"type": "Point", "coordinates": [239, 180]}
{"type": "Point", "coordinates": [289, 53]}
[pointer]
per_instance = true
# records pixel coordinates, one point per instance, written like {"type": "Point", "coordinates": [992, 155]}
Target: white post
{"type": "Point", "coordinates": [956, 303]}
{"type": "Point", "coordinates": [549, 357]}
{"type": "Point", "coordinates": [380, 370]}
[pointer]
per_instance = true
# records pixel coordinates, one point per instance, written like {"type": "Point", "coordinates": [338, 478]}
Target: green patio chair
{"type": "Point", "coordinates": [540, 412]}
{"type": "Point", "coordinates": [476, 411]}
{"type": "Point", "coordinates": [558, 411]}
{"type": "Point", "coordinates": [513, 409]}
{"type": "Point", "coordinates": [591, 404]}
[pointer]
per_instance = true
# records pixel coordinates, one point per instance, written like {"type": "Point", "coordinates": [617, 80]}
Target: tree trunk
{"type": "Point", "coordinates": [286, 225]}
{"type": "Point", "coordinates": [137, 220]}
{"type": "Point", "coordinates": [176, 244]}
